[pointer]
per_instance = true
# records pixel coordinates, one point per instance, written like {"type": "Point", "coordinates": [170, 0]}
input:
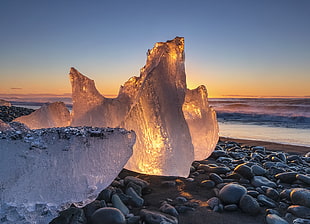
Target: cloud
{"type": "Point", "coordinates": [16, 88]}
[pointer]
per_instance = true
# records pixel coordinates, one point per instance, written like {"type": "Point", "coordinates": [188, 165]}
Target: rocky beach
{"type": "Point", "coordinates": [241, 182]}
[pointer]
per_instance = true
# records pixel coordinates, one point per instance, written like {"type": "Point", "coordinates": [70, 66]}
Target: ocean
{"type": "Point", "coordinates": [281, 120]}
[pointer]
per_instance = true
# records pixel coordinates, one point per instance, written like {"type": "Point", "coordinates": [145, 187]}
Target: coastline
{"type": "Point", "coordinates": [273, 146]}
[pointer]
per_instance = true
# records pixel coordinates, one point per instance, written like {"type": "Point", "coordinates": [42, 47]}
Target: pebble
{"type": "Point", "coordinates": [300, 196]}
{"type": "Point", "coordinates": [75, 215]}
{"type": "Point", "coordinates": [259, 181]}
{"type": "Point", "coordinates": [299, 211]}
{"type": "Point", "coordinates": [135, 198]}
{"type": "Point", "coordinates": [169, 209]}
{"type": "Point", "coordinates": [207, 184]}
{"type": "Point", "coordinates": [231, 207]}
{"type": "Point", "coordinates": [286, 177]}
{"type": "Point", "coordinates": [275, 219]}
{"type": "Point", "coordinates": [154, 217]}
{"type": "Point", "coordinates": [212, 202]}
{"type": "Point", "coordinates": [258, 170]}
{"type": "Point", "coordinates": [232, 193]}
{"type": "Point", "coordinates": [268, 202]}
{"type": "Point", "coordinates": [108, 215]}
{"type": "Point", "coordinates": [216, 178]}
{"type": "Point", "coordinates": [249, 205]}
{"type": "Point", "coordinates": [303, 178]}
{"type": "Point", "coordinates": [244, 171]}
{"type": "Point", "coordinates": [117, 203]}
{"type": "Point", "coordinates": [301, 221]}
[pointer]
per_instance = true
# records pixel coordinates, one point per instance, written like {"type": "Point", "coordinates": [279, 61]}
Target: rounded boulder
{"type": "Point", "coordinates": [108, 215]}
{"type": "Point", "coordinates": [232, 193]}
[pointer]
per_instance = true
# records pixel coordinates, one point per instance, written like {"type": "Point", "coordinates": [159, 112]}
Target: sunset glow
{"type": "Point", "coordinates": [235, 48]}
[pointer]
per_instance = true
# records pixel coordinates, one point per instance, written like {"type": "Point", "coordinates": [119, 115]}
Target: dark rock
{"type": "Point", "coordinates": [218, 153]}
{"type": "Point", "coordinates": [303, 178]}
{"type": "Point", "coordinates": [136, 187]}
{"type": "Point", "coordinates": [259, 181]}
{"type": "Point", "coordinates": [71, 215]}
{"type": "Point", "coordinates": [136, 180]}
{"type": "Point", "coordinates": [212, 202]}
{"type": "Point", "coordinates": [136, 200]}
{"type": "Point", "coordinates": [231, 193]}
{"type": "Point", "coordinates": [244, 171]}
{"type": "Point", "coordinates": [183, 208]}
{"type": "Point", "coordinates": [300, 196]}
{"type": "Point", "coordinates": [258, 170]}
{"type": "Point", "coordinates": [133, 220]}
{"type": "Point", "coordinates": [275, 219]}
{"type": "Point", "coordinates": [287, 177]}
{"type": "Point", "coordinates": [169, 209]}
{"type": "Point", "coordinates": [272, 193]}
{"type": "Point", "coordinates": [207, 184]}
{"type": "Point", "coordinates": [268, 202]}
{"type": "Point", "coordinates": [253, 193]}
{"type": "Point", "coordinates": [216, 178]}
{"type": "Point", "coordinates": [301, 221]}
{"type": "Point", "coordinates": [152, 217]}
{"type": "Point", "coordinates": [249, 205]}
{"type": "Point", "coordinates": [108, 215]}
{"type": "Point", "coordinates": [90, 208]}
{"type": "Point", "coordinates": [106, 194]}
{"type": "Point", "coordinates": [299, 211]}
{"type": "Point", "coordinates": [213, 169]}
{"type": "Point", "coordinates": [117, 203]}
{"type": "Point", "coordinates": [231, 207]}
{"type": "Point", "coordinates": [168, 183]}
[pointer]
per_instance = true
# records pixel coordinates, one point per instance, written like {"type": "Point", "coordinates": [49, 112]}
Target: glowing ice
{"type": "Point", "coordinates": [168, 119]}
{"type": "Point", "coordinates": [48, 116]}
{"type": "Point", "coordinates": [60, 165]}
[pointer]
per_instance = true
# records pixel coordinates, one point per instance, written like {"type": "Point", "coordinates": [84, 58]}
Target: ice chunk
{"type": "Point", "coordinates": [202, 122]}
{"type": "Point", "coordinates": [60, 165]}
{"type": "Point", "coordinates": [153, 106]}
{"type": "Point", "coordinates": [48, 116]}
{"type": "Point", "coordinates": [4, 126]}
{"type": "Point", "coordinates": [91, 108]}
{"type": "Point", "coordinates": [163, 138]}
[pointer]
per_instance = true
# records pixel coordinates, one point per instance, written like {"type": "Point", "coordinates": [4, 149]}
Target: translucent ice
{"type": "Point", "coordinates": [169, 120]}
{"type": "Point", "coordinates": [60, 165]}
{"type": "Point", "coordinates": [201, 120]}
{"type": "Point", "coordinates": [48, 116]}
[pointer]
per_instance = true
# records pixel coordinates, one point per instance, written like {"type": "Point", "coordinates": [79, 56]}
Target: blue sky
{"type": "Point", "coordinates": [259, 48]}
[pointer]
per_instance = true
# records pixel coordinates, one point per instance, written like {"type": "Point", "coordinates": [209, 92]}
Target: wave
{"type": "Point", "coordinates": [266, 119]}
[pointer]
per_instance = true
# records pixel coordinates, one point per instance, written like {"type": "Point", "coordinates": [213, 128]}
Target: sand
{"type": "Point", "coordinates": [195, 193]}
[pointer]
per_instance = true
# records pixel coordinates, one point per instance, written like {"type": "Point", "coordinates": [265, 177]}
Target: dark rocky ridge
{"type": "Point", "coordinates": [8, 114]}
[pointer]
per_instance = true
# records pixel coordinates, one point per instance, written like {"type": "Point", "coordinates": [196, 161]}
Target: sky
{"type": "Point", "coordinates": [233, 47]}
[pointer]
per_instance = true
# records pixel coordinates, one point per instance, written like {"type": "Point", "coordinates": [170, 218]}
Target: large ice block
{"type": "Point", "coordinates": [174, 126]}
{"type": "Point", "coordinates": [48, 116]}
{"type": "Point", "coordinates": [60, 165]}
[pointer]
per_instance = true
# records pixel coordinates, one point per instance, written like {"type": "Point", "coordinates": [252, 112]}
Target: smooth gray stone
{"type": "Point", "coordinates": [299, 211]}
{"type": "Point", "coordinates": [231, 207]}
{"type": "Point", "coordinates": [136, 180]}
{"type": "Point", "coordinates": [287, 177]}
{"type": "Point", "coordinates": [135, 198]}
{"type": "Point", "coordinates": [300, 196]}
{"type": "Point", "coordinates": [258, 170]}
{"type": "Point", "coordinates": [169, 209]}
{"type": "Point", "coordinates": [117, 203]}
{"type": "Point", "coordinates": [216, 178]}
{"type": "Point", "coordinates": [133, 220]}
{"type": "Point", "coordinates": [259, 181]}
{"type": "Point", "coordinates": [108, 215]}
{"type": "Point", "coordinates": [303, 178]}
{"type": "Point", "coordinates": [232, 193]}
{"type": "Point", "coordinates": [152, 217]}
{"type": "Point", "coordinates": [90, 208]}
{"type": "Point", "coordinates": [268, 202]}
{"type": "Point", "coordinates": [272, 193]}
{"type": "Point", "coordinates": [301, 221]}
{"type": "Point", "coordinates": [244, 171]}
{"type": "Point", "coordinates": [248, 204]}
{"type": "Point", "coordinates": [275, 219]}
{"type": "Point", "coordinates": [212, 202]}
{"type": "Point", "coordinates": [70, 216]}
{"type": "Point", "coordinates": [207, 184]}
{"type": "Point", "coordinates": [136, 187]}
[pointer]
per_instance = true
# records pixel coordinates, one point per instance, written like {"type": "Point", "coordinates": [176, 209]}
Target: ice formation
{"type": "Point", "coordinates": [174, 125]}
{"type": "Point", "coordinates": [48, 116]}
{"type": "Point", "coordinates": [60, 165]}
